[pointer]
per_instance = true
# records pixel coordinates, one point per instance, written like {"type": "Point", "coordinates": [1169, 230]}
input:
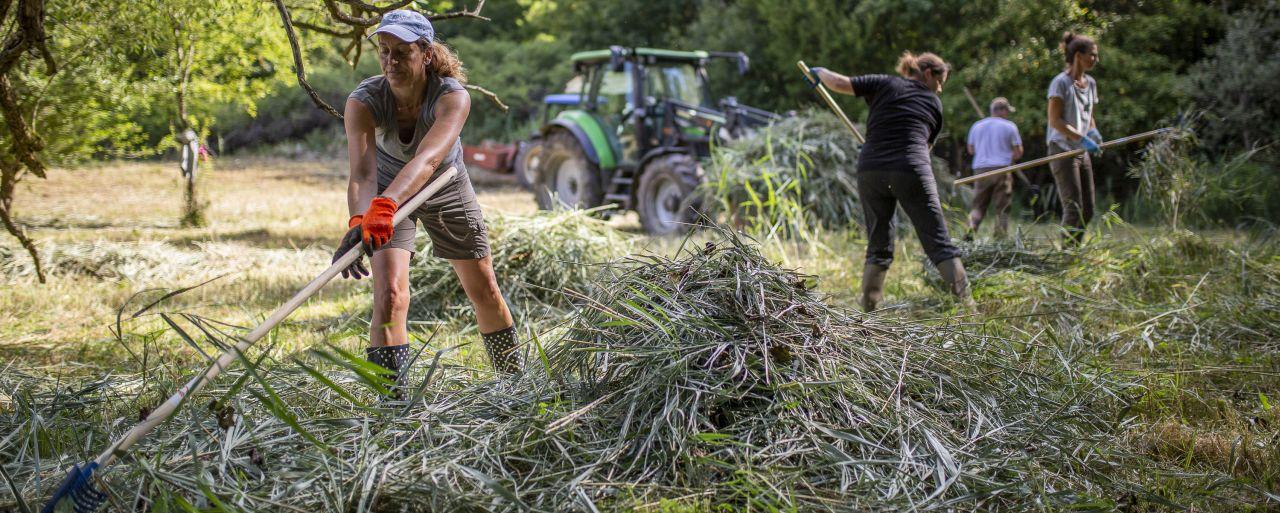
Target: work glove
{"type": "Point", "coordinates": [1091, 146]}
{"type": "Point", "coordinates": [357, 269]}
{"type": "Point", "coordinates": [378, 222]}
{"type": "Point", "coordinates": [814, 79]}
{"type": "Point", "coordinates": [1095, 135]}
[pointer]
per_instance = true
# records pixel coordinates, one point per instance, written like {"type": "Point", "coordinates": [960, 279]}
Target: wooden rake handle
{"type": "Point", "coordinates": [831, 102]}
{"type": "Point", "coordinates": [162, 413]}
{"type": "Point", "coordinates": [1059, 156]}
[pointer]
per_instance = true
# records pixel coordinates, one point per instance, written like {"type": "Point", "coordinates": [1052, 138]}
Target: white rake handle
{"type": "Point", "coordinates": [224, 361]}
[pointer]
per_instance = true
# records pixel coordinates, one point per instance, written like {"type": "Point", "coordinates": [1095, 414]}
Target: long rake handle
{"type": "Point", "coordinates": [1059, 156]}
{"type": "Point", "coordinates": [831, 102]}
{"type": "Point", "coordinates": [224, 361]}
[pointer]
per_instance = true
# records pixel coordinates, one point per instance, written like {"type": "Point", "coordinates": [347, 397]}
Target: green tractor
{"type": "Point", "coordinates": [644, 120]}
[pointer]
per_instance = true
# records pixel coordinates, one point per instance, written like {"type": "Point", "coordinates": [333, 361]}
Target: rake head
{"type": "Point", "coordinates": [78, 488]}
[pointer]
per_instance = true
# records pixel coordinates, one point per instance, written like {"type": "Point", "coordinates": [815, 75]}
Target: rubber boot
{"type": "Point", "coordinates": [503, 349]}
{"type": "Point", "coordinates": [952, 271]}
{"type": "Point", "coordinates": [872, 286]}
{"type": "Point", "coordinates": [394, 359]}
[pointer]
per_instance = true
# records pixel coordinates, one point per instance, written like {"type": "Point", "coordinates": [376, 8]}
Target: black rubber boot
{"type": "Point", "coordinates": [394, 359]}
{"type": "Point", "coordinates": [872, 286]}
{"type": "Point", "coordinates": [503, 349]}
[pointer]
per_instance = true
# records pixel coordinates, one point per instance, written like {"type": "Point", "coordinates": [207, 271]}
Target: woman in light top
{"type": "Point", "coordinates": [1073, 124]}
{"type": "Point", "coordinates": [402, 131]}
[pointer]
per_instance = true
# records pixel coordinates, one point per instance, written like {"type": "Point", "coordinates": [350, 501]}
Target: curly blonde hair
{"type": "Point", "coordinates": [444, 62]}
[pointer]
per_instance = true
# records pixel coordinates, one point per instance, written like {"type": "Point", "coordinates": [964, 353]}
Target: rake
{"type": "Point", "coordinates": [1064, 155]}
{"type": "Point", "coordinates": [78, 486]}
{"type": "Point", "coordinates": [831, 102]}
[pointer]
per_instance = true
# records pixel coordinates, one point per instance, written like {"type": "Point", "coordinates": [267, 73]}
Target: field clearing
{"type": "Point", "coordinates": [1188, 320]}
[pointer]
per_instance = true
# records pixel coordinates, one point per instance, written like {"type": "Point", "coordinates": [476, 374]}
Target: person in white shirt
{"type": "Point", "coordinates": [994, 143]}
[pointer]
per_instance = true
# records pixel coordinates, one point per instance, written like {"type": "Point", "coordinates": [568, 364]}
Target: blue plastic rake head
{"type": "Point", "coordinates": [79, 489]}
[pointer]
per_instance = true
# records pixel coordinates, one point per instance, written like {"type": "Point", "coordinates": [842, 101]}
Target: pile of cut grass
{"type": "Point", "coordinates": [536, 258]}
{"type": "Point", "coordinates": [798, 176]}
{"type": "Point", "coordinates": [1193, 318]}
{"type": "Point", "coordinates": [711, 379]}
{"type": "Point", "coordinates": [788, 178]}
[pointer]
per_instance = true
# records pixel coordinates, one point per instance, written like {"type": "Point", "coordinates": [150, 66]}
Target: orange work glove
{"type": "Point", "coordinates": [377, 226]}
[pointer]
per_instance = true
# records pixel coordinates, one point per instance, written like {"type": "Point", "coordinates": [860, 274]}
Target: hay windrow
{"type": "Point", "coordinates": [536, 257]}
{"type": "Point", "coordinates": [715, 374]}
{"type": "Point", "coordinates": [154, 263]}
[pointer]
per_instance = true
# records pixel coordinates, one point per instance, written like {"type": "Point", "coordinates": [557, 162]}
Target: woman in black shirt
{"type": "Point", "coordinates": [894, 166]}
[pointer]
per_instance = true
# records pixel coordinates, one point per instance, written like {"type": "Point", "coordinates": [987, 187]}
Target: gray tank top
{"type": "Point", "coordinates": [393, 154]}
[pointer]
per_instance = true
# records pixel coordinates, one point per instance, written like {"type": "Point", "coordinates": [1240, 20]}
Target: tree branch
{"type": "Point", "coordinates": [26, 144]}
{"type": "Point", "coordinates": [337, 14]}
{"type": "Point", "coordinates": [492, 97]}
{"type": "Point", "coordinates": [473, 13]}
{"type": "Point", "coordinates": [354, 32]}
{"type": "Point", "coordinates": [297, 61]}
{"type": "Point", "coordinates": [373, 8]}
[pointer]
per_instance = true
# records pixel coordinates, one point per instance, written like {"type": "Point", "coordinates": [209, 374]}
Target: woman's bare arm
{"type": "Point", "coordinates": [451, 114]}
{"type": "Point", "coordinates": [362, 154]}
{"type": "Point", "coordinates": [1055, 120]}
{"type": "Point", "coordinates": [835, 81]}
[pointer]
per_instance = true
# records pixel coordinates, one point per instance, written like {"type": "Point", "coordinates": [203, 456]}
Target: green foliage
{"type": "Point", "coordinates": [520, 73]}
{"type": "Point", "coordinates": [287, 114]}
{"type": "Point", "coordinates": [1186, 187]}
{"type": "Point", "coordinates": [198, 55]}
{"type": "Point", "coordinates": [84, 109]}
{"type": "Point", "coordinates": [1237, 83]}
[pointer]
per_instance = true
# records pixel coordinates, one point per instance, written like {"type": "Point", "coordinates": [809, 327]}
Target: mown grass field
{"type": "Point", "coordinates": [1187, 321]}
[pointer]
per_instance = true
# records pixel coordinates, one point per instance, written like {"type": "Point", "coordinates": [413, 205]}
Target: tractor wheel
{"type": "Point", "coordinates": [665, 199]}
{"type": "Point", "coordinates": [564, 175]}
{"type": "Point", "coordinates": [526, 163]}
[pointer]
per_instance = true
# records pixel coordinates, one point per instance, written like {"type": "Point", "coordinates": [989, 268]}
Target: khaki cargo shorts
{"type": "Point", "coordinates": [452, 218]}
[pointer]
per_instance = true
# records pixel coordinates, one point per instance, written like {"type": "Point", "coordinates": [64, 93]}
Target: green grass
{"type": "Point", "coordinates": [1186, 322]}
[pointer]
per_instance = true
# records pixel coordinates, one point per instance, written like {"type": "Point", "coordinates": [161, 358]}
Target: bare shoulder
{"type": "Point", "coordinates": [454, 101]}
{"type": "Point", "coordinates": [357, 113]}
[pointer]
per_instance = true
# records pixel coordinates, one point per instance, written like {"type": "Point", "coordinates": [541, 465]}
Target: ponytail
{"type": "Point", "coordinates": [445, 63]}
{"type": "Point", "coordinates": [913, 66]}
{"type": "Point", "coordinates": [1073, 43]}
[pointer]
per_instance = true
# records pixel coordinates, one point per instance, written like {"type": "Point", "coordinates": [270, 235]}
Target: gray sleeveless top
{"type": "Point", "coordinates": [375, 93]}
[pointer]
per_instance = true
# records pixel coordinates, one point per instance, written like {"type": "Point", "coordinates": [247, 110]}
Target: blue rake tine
{"type": "Point", "coordinates": [78, 486]}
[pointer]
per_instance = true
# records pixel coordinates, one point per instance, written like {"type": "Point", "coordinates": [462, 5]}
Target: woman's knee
{"type": "Point", "coordinates": [486, 294]}
{"type": "Point", "coordinates": [392, 299]}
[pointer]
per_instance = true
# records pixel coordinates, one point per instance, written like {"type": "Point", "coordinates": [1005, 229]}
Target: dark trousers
{"type": "Point", "coordinates": [881, 191]}
{"type": "Point", "coordinates": [998, 190]}
{"type": "Point", "coordinates": [1074, 178]}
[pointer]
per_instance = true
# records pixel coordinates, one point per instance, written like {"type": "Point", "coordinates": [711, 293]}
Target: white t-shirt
{"type": "Point", "coordinates": [1077, 107]}
{"type": "Point", "coordinates": [993, 140]}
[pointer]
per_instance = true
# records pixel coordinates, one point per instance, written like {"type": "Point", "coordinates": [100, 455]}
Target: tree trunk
{"type": "Point", "coordinates": [193, 215]}
{"type": "Point", "coordinates": [8, 182]}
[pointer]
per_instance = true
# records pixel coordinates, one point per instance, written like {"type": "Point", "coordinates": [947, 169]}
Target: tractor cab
{"type": "Point", "coordinates": [644, 118]}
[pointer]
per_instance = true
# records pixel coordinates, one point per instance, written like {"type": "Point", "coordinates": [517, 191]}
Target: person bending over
{"type": "Point", "coordinates": [402, 131]}
{"type": "Point", "coordinates": [894, 166]}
